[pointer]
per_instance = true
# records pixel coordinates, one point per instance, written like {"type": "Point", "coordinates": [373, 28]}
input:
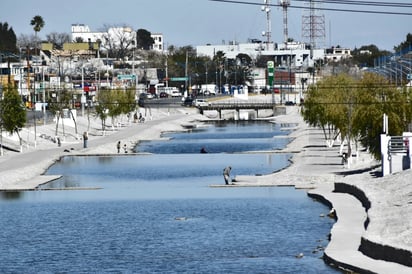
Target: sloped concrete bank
{"type": "Point", "coordinates": [385, 252]}
{"type": "Point", "coordinates": [369, 248]}
{"type": "Point", "coordinates": [348, 248]}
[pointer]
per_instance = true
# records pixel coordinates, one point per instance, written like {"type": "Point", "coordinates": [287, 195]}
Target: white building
{"type": "Point", "coordinates": [158, 41]}
{"type": "Point", "coordinates": [116, 34]}
{"type": "Point", "coordinates": [82, 32]}
{"type": "Point", "coordinates": [337, 54]}
{"type": "Point", "coordinates": [292, 54]}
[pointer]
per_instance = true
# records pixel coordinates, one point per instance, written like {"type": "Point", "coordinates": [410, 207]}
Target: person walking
{"type": "Point", "coordinates": [118, 147]}
{"type": "Point", "coordinates": [226, 174]}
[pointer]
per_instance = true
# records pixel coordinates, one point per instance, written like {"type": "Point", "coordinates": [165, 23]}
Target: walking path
{"type": "Point", "coordinates": [314, 166]}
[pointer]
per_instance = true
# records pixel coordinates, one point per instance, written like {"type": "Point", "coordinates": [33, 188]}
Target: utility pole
{"type": "Point", "coordinates": [186, 72]}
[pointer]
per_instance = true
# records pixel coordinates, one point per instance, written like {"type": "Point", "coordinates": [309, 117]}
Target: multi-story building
{"type": "Point", "coordinates": [158, 42]}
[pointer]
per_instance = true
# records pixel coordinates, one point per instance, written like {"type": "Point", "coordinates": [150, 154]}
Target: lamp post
{"type": "Point", "coordinates": [82, 99]}
{"type": "Point", "coordinates": [43, 95]}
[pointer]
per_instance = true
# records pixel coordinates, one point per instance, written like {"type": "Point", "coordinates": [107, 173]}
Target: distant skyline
{"type": "Point", "coordinates": [200, 22]}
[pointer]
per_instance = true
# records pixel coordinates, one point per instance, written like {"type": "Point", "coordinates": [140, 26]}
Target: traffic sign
{"type": "Point", "coordinates": [126, 77]}
{"type": "Point", "coordinates": [178, 79]}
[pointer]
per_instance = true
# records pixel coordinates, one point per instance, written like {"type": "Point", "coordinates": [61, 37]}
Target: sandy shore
{"type": "Point", "coordinates": [384, 202]}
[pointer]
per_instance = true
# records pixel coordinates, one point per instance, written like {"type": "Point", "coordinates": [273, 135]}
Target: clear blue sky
{"type": "Point", "coordinates": [197, 22]}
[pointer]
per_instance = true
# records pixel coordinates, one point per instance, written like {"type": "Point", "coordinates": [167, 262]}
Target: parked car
{"type": "Point", "coordinates": [150, 95]}
{"type": "Point", "coordinates": [140, 102]}
{"type": "Point", "coordinates": [176, 93]}
{"type": "Point", "coordinates": [163, 95]}
{"type": "Point", "coordinates": [289, 103]}
{"type": "Point", "coordinates": [188, 102]}
{"type": "Point", "coordinates": [200, 103]}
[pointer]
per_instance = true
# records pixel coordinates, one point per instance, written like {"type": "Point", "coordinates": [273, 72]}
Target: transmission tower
{"type": "Point", "coordinates": [268, 32]}
{"type": "Point", "coordinates": [285, 4]}
{"type": "Point", "coordinates": [313, 26]}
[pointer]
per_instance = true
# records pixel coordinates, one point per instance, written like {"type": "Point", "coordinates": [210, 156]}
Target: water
{"type": "Point", "coordinates": [157, 214]}
{"type": "Point", "coordinates": [229, 138]}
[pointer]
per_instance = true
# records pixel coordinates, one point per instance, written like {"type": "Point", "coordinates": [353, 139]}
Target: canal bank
{"type": "Point", "coordinates": [313, 166]}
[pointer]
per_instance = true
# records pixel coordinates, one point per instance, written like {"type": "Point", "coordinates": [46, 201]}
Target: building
{"type": "Point", "coordinates": [158, 42]}
{"type": "Point", "coordinates": [291, 54]}
{"type": "Point", "coordinates": [336, 54]}
{"type": "Point", "coordinates": [114, 34]}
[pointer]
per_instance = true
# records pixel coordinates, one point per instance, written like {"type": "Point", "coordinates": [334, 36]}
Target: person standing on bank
{"type": "Point", "coordinates": [118, 147]}
{"type": "Point", "coordinates": [226, 174]}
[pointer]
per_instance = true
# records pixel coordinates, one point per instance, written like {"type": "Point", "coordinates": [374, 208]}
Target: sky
{"type": "Point", "coordinates": [201, 22]}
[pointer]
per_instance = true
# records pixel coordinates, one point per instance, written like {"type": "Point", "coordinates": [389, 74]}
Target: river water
{"type": "Point", "coordinates": [156, 212]}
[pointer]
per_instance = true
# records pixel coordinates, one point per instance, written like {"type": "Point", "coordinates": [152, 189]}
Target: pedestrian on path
{"type": "Point", "coordinates": [118, 147]}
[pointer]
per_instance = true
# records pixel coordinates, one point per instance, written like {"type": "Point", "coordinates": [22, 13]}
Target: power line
{"type": "Point", "coordinates": [329, 9]}
{"type": "Point", "coordinates": [361, 3]}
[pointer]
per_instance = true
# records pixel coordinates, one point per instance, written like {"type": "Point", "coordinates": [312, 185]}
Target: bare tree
{"type": "Point", "coordinates": [58, 39]}
{"type": "Point", "coordinates": [26, 41]}
{"type": "Point", "coordinates": [118, 40]}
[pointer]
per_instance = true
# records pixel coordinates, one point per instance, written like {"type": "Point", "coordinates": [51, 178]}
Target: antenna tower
{"type": "Point", "coordinates": [268, 32]}
{"type": "Point", "coordinates": [313, 26]}
{"type": "Point", "coordinates": [285, 4]}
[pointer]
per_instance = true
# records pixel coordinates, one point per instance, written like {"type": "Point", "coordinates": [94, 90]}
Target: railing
{"type": "Point", "coordinates": [237, 105]}
{"type": "Point", "coordinates": [397, 144]}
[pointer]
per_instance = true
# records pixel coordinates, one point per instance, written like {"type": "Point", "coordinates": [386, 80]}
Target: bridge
{"type": "Point", "coordinates": [238, 106]}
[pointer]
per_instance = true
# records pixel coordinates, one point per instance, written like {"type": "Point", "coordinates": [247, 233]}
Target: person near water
{"type": "Point", "coordinates": [118, 147]}
{"type": "Point", "coordinates": [226, 174]}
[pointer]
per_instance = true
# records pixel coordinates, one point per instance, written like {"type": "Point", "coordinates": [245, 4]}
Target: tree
{"type": "Point", "coordinates": [406, 45]}
{"type": "Point", "coordinates": [375, 97]}
{"type": "Point", "coordinates": [328, 105]}
{"type": "Point", "coordinates": [118, 41]}
{"type": "Point", "coordinates": [38, 23]}
{"type": "Point", "coordinates": [13, 112]}
{"type": "Point", "coordinates": [365, 56]}
{"type": "Point", "coordinates": [26, 41]}
{"type": "Point", "coordinates": [8, 38]}
{"type": "Point", "coordinates": [58, 39]}
{"type": "Point", "coordinates": [354, 109]}
{"type": "Point", "coordinates": [56, 106]}
{"type": "Point", "coordinates": [144, 39]}
{"type": "Point", "coordinates": [113, 103]}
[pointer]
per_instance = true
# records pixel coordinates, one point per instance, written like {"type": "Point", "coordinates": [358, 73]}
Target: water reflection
{"type": "Point", "coordinates": [10, 195]}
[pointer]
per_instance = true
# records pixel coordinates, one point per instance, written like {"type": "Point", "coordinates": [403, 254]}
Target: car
{"type": "Point", "coordinates": [289, 103]}
{"type": "Point", "coordinates": [176, 93]}
{"type": "Point", "coordinates": [150, 95]}
{"type": "Point", "coordinates": [163, 95]}
{"type": "Point", "coordinates": [200, 103]}
{"type": "Point", "coordinates": [209, 92]}
{"type": "Point", "coordinates": [188, 102]}
{"type": "Point", "coordinates": [140, 102]}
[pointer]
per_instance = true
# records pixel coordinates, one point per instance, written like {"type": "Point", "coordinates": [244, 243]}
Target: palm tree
{"type": "Point", "coordinates": [38, 23]}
